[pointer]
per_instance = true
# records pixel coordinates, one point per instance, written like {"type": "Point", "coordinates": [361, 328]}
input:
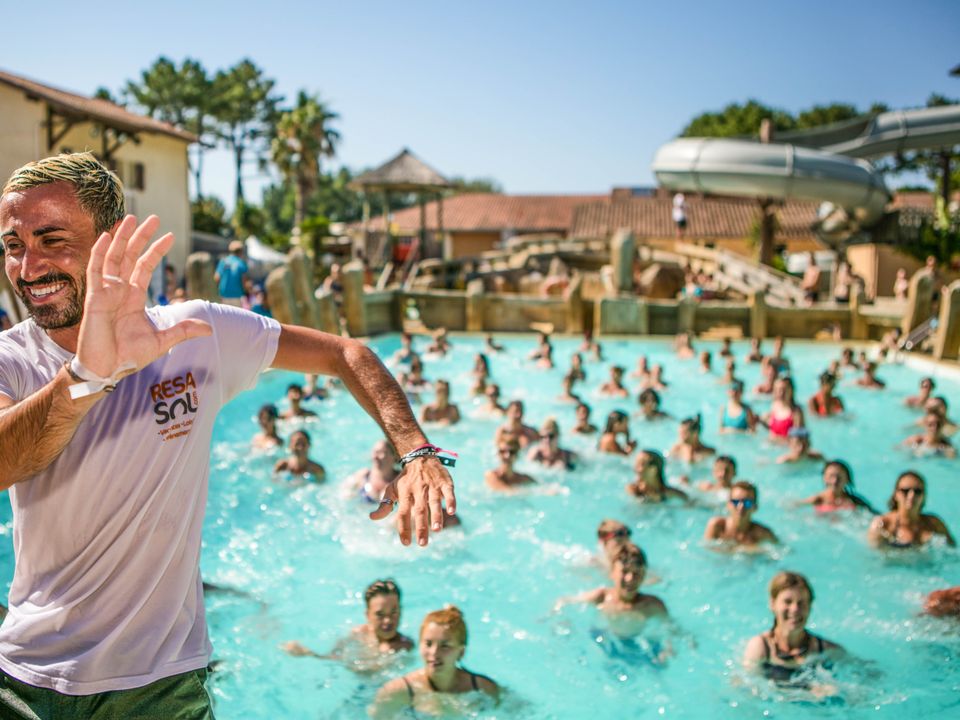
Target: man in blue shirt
{"type": "Point", "coordinates": [231, 275]}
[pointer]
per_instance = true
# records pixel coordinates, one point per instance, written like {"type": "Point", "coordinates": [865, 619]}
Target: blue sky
{"type": "Point", "coordinates": [545, 97]}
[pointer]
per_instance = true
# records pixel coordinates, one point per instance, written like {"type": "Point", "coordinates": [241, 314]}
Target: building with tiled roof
{"type": "Point", "coordinates": [149, 156]}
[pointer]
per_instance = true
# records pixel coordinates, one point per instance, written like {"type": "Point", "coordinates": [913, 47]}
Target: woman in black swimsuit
{"type": "Point", "coordinates": [784, 651]}
{"type": "Point", "coordinates": [906, 525]}
{"type": "Point", "coordinates": [443, 641]}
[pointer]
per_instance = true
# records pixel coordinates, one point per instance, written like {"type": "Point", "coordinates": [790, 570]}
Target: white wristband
{"type": "Point", "coordinates": [90, 383]}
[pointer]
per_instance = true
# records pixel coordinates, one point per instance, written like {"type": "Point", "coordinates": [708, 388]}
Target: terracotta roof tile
{"type": "Point", "coordinates": [495, 212]}
{"type": "Point", "coordinates": [86, 108]}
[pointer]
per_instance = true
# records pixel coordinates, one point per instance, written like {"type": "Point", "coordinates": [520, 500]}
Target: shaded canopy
{"type": "Point", "coordinates": [403, 173]}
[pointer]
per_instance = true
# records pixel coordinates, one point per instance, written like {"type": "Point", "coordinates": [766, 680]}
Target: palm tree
{"type": "Point", "coordinates": [302, 137]}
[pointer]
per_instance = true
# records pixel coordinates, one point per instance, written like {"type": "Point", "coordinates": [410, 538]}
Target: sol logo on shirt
{"type": "Point", "coordinates": [172, 399]}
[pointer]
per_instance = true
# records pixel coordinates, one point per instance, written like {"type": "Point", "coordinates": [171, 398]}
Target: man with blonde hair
{"type": "Point", "coordinates": [106, 416]}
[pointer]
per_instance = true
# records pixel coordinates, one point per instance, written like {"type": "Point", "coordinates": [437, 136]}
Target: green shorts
{"type": "Point", "coordinates": [178, 697]}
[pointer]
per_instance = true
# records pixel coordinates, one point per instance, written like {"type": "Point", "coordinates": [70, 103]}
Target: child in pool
{"type": "Point", "coordinates": [298, 462]}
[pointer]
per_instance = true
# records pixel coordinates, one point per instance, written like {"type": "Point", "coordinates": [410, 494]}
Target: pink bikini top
{"type": "Point", "coordinates": [780, 426]}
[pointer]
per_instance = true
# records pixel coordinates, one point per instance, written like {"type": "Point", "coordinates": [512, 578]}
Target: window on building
{"type": "Point", "coordinates": [137, 176]}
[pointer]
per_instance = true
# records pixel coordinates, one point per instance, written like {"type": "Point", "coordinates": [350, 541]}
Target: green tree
{"type": "Point", "coordinates": [245, 110]}
{"type": "Point", "coordinates": [209, 215]}
{"type": "Point", "coordinates": [738, 121]}
{"type": "Point", "coordinates": [182, 96]}
{"type": "Point", "coordinates": [302, 136]}
{"type": "Point", "coordinates": [825, 115]}
{"type": "Point", "coordinates": [475, 185]}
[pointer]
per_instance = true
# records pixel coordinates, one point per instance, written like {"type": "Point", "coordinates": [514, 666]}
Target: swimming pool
{"type": "Point", "coordinates": [304, 554]}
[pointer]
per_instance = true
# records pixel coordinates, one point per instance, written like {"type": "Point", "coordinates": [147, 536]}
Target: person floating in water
{"type": "Point", "coordinates": [373, 646]}
{"type": "Point", "coordinates": [298, 463]}
{"type": "Point", "coordinates": [267, 438]}
{"type": "Point", "coordinates": [504, 478]}
{"type": "Point", "coordinates": [786, 652]}
{"type": "Point", "coordinates": [431, 689]}
{"type": "Point", "coordinates": [295, 397]}
{"type": "Point", "coordinates": [441, 410]}
{"type": "Point", "coordinates": [906, 525]}
{"type": "Point", "coordinates": [737, 529]}
{"type": "Point", "coordinates": [650, 483]}
{"type": "Point", "coordinates": [838, 493]}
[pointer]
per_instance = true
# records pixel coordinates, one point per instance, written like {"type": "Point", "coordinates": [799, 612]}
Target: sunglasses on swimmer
{"type": "Point", "coordinates": [912, 489]}
{"type": "Point", "coordinates": [745, 503]}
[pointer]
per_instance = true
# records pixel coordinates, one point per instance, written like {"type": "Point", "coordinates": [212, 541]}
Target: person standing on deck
{"type": "Point", "coordinates": [106, 417]}
{"type": "Point", "coordinates": [231, 275]}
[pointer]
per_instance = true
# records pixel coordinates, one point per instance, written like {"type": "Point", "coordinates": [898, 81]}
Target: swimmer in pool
{"type": "Point", "coordinates": [756, 353]}
{"type": "Point", "coordinates": [543, 353]}
{"type": "Point", "coordinates": [726, 348]}
{"type": "Point", "coordinates": [724, 471]}
{"type": "Point", "coordinates": [406, 354]}
{"type": "Point", "coordinates": [440, 345]}
{"type": "Point", "coordinates": [370, 483]}
{"type": "Point", "coordinates": [737, 529]}
{"type": "Point", "coordinates": [583, 426]}
{"type": "Point", "coordinates": [589, 345]}
{"type": "Point", "coordinates": [705, 362]}
{"type": "Point", "coordinates": [920, 399]}
{"type": "Point", "coordinates": [492, 404]}
{"type": "Point", "coordinates": [784, 651]}
{"type": "Point", "coordinates": [481, 366]}
{"type": "Point", "coordinates": [824, 403]}
{"type": "Point", "coordinates": [312, 389]}
{"type": "Point", "coordinates": [617, 424]}
{"type": "Point", "coordinates": [548, 451]}
{"type": "Point", "coordinates": [568, 396]}
{"type": "Point", "coordinates": [768, 378]}
{"type": "Point", "coordinates": [416, 383]}
{"type": "Point", "coordinates": [654, 381]}
{"type": "Point", "coordinates": [373, 646]}
{"type": "Point", "coordinates": [838, 492]}
{"type": "Point", "coordinates": [576, 368]}
{"type": "Point", "coordinates": [441, 411]}
{"type": "Point", "coordinates": [689, 448]}
{"type": "Point", "coordinates": [798, 447]}
{"type": "Point", "coordinates": [869, 378]}
{"type": "Point", "coordinates": [846, 359]}
{"type": "Point", "coordinates": [784, 413]}
{"type": "Point", "coordinates": [298, 463]}
{"type": "Point", "coordinates": [735, 415]}
{"type": "Point", "coordinates": [943, 603]}
{"type": "Point", "coordinates": [624, 600]}
{"type": "Point", "coordinates": [938, 406]}
{"type": "Point", "coordinates": [932, 440]}
{"type": "Point", "coordinates": [650, 405]}
{"type": "Point", "coordinates": [906, 525]}
{"type": "Point", "coordinates": [267, 438]}
{"type": "Point", "coordinates": [683, 346]}
{"type": "Point", "coordinates": [643, 368]}
{"type": "Point", "coordinates": [514, 427]}
{"type": "Point", "coordinates": [777, 358]}
{"type": "Point", "coordinates": [650, 482]}
{"type": "Point", "coordinates": [492, 346]}
{"type": "Point", "coordinates": [295, 396]}
{"type": "Point", "coordinates": [504, 478]}
{"type": "Point", "coordinates": [614, 386]}
{"type": "Point", "coordinates": [430, 690]}
{"type": "Point", "coordinates": [729, 372]}
{"type": "Point", "coordinates": [612, 535]}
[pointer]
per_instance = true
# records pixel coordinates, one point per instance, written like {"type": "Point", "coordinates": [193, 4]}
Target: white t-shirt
{"type": "Point", "coordinates": [106, 592]}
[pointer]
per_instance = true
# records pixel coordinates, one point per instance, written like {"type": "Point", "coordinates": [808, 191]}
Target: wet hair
{"type": "Point", "coordinates": [451, 618]}
{"type": "Point", "coordinates": [630, 554]}
{"type": "Point", "coordinates": [380, 587]}
{"type": "Point", "coordinates": [269, 410]}
{"type": "Point", "coordinates": [827, 378]}
{"type": "Point", "coordinates": [726, 459]}
{"type": "Point", "coordinates": [551, 424]}
{"type": "Point", "coordinates": [583, 405]}
{"type": "Point", "coordinates": [746, 487]}
{"type": "Point", "coordinates": [692, 423]}
{"type": "Point", "coordinates": [612, 419]}
{"type": "Point", "coordinates": [647, 394]}
{"type": "Point", "coordinates": [928, 380]}
{"type": "Point", "coordinates": [443, 384]}
{"type": "Point", "coordinates": [511, 442]}
{"type": "Point", "coordinates": [736, 386]}
{"type": "Point", "coordinates": [616, 370]}
{"type": "Point", "coordinates": [515, 403]}
{"type": "Point", "coordinates": [483, 360]}
{"type": "Point", "coordinates": [787, 580]}
{"type": "Point", "coordinates": [848, 489]}
{"type": "Point", "coordinates": [295, 386]}
{"type": "Point", "coordinates": [892, 502]}
{"type": "Point", "coordinates": [99, 191]}
{"type": "Point", "coordinates": [492, 389]}
{"type": "Point", "coordinates": [656, 459]}
{"type": "Point", "coordinates": [301, 432]}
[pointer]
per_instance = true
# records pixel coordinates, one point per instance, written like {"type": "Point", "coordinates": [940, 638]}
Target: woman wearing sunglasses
{"type": "Point", "coordinates": [906, 525]}
{"type": "Point", "coordinates": [737, 528]}
{"type": "Point", "coordinates": [548, 451]}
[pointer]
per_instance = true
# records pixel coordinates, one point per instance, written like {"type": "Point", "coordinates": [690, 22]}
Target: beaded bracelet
{"type": "Point", "coordinates": [446, 457]}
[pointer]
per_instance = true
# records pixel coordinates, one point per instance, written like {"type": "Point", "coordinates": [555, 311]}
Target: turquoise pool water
{"type": "Point", "coordinates": [304, 554]}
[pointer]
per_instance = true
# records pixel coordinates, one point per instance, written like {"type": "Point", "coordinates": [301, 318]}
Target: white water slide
{"type": "Point", "coordinates": [820, 165]}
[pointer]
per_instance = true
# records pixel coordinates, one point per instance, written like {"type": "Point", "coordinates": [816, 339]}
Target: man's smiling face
{"type": "Point", "coordinates": [47, 239]}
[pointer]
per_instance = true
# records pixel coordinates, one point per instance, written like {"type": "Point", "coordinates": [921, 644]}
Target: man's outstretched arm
{"type": "Point", "coordinates": [424, 481]}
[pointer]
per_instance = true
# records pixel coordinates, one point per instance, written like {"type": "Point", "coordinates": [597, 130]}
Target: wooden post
{"type": "Point", "coordinates": [687, 315]}
{"type": "Point", "coordinates": [475, 302]}
{"type": "Point", "coordinates": [946, 345]}
{"type": "Point", "coordinates": [622, 252]}
{"type": "Point", "coordinates": [353, 309]}
{"type": "Point", "coordinates": [858, 323]}
{"type": "Point", "coordinates": [758, 315]}
{"type": "Point", "coordinates": [301, 277]}
{"type": "Point", "coordinates": [574, 299]}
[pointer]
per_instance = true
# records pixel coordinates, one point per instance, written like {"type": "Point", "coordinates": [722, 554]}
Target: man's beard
{"type": "Point", "coordinates": [55, 316]}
